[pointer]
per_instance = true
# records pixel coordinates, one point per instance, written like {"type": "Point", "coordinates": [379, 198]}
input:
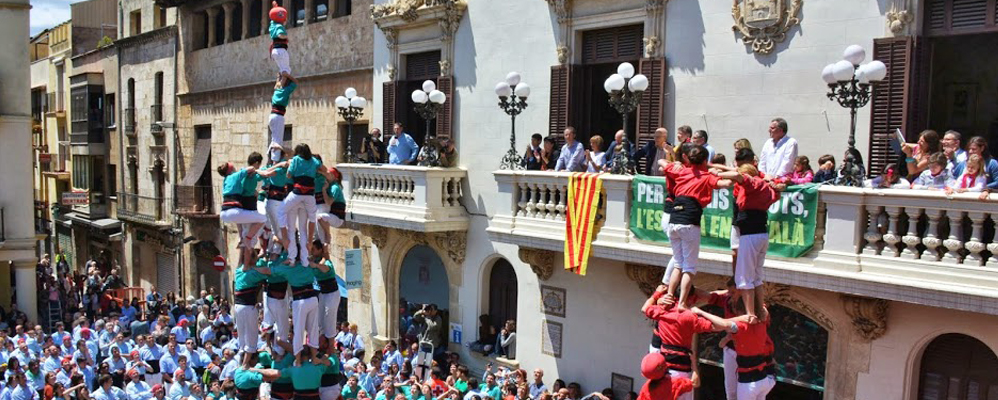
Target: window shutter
{"type": "Point", "coordinates": [889, 102]}
{"type": "Point", "coordinates": [445, 117]}
{"type": "Point", "coordinates": [620, 43]}
{"type": "Point", "coordinates": [388, 106]}
{"type": "Point", "coordinates": [558, 110]}
{"type": "Point", "coordinates": [918, 99]}
{"type": "Point", "coordinates": [651, 111]}
{"type": "Point", "coordinates": [424, 65]}
{"type": "Point", "coordinates": [947, 17]}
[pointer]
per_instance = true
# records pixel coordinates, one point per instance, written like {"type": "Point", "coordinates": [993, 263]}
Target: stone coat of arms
{"type": "Point", "coordinates": [763, 23]}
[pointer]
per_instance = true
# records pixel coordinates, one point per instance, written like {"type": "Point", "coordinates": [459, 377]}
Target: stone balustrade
{"type": "Point", "coordinates": [916, 246]}
{"type": "Point", "coordinates": [405, 197]}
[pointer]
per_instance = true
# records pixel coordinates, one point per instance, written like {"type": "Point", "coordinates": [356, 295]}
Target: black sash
{"type": "Point", "coordinates": [306, 394]}
{"type": "Point", "coordinates": [247, 394]}
{"type": "Point", "coordinates": [153, 366]}
{"type": "Point", "coordinates": [685, 210]}
{"type": "Point", "coordinates": [280, 43]}
{"type": "Point", "coordinates": [328, 285]}
{"type": "Point", "coordinates": [277, 192]}
{"type": "Point", "coordinates": [279, 110]}
{"type": "Point", "coordinates": [332, 379]}
{"type": "Point", "coordinates": [755, 368]}
{"type": "Point", "coordinates": [282, 390]}
{"type": "Point", "coordinates": [751, 222]}
{"type": "Point", "coordinates": [677, 357]}
{"type": "Point", "coordinates": [247, 297]}
{"type": "Point", "coordinates": [232, 201]}
{"type": "Point", "coordinates": [277, 290]}
{"type": "Point", "coordinates": [302, 292]}
{"type": "Point", "coordinates": [339, 209]}
{"type": "Point", "coordinates": [303, 185]}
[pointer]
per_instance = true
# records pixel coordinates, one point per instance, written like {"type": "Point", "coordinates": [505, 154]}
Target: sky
{"type": "Point", "coordinates": [48, 13]}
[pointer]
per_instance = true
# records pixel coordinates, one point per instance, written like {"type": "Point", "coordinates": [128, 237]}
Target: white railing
{"type": "Point", "coordinates": [405, 197]}
{"type": "Point", "coordinates": [914, 229]}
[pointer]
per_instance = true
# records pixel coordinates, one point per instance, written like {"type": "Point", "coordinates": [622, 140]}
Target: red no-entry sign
{"type": "Point", "coordinates": [219, 263]}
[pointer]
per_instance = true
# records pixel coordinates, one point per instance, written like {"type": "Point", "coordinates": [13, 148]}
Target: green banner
{"type": "Point", "coordinates": [792, 219]}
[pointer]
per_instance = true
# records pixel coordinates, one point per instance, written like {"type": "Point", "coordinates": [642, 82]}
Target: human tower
{"type": "Point", "coordinates": [300, 200]}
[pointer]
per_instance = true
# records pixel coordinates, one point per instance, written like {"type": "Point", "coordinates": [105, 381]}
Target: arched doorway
{"type": "Point", "coordinates": [959, 367]}
{"type": "Point", "coordinates": [502, 286]}
{"type": "Point", "coordinates": [801, 350]}
{"type": "Point", "coordinates": [422, 280]}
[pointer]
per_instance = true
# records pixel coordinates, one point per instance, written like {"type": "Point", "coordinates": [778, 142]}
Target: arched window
{"type": "Point", "coordinates": [502, 294]}
{"type": "Point", "coordinates": [958, 367]}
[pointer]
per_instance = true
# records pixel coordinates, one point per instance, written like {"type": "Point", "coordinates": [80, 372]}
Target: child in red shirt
{"type": "Point", "coordinates": [756, 368]}
{"type": "Point", "coordinates": [693, 186]}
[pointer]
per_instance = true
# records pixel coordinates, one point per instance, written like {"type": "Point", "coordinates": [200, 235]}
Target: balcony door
{"type": "Point", "coordinates": [602, 51]}
{"type": "Point", "coordinates": [419, 67]}
{"type": "Point", "coordinates": [958, 367]}
{"type": "Point", "coordinates": [422, 280]}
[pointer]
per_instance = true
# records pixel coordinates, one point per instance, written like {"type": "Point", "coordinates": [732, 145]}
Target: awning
{"type": "Point", "coordinates": [103, 223]}
{"type": "Point", "coordinates": [202, 152]}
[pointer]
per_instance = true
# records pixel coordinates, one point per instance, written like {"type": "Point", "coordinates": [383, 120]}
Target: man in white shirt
{"type": "Point", "coordinates": [780, 151]}
{"type": "Point", "coordinates": [573, 154]}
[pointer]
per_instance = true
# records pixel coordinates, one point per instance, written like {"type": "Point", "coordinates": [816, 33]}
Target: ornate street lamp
{"type": "Point", "coordinates": [428, 103]}
{"type": "Point", "coordinates": [350, 107]}
{"type": "Point", "coordinates": [625, 90]}
{"type": "Point", "coordinates": [512, 100]}
{"type": "Point", "coordinates": [849, 84]}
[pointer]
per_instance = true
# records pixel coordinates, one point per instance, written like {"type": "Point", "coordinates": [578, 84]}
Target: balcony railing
{"type": "Point", "coordinates": [156, 118]}
{"type": "Point", "coordinates": [128, 115]}
{"type": "Point", "coordinates": [904, 245]}
{"type": "Point", "coordinates": [405, 197]}
{"type": "Point", "coordinates": [143, 209]}
{"type": "Point", "coordinates": [196, 201]}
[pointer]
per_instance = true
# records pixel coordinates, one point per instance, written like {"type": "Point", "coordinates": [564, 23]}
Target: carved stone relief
{"type": "Point", "coordinates": [869, 316]}
{"type": "Point", "coordinates": [541, 262]}
{"type": "Point", "coordinates": [648, 277]}
{"type": "Point", "coordinates": [764, 23]}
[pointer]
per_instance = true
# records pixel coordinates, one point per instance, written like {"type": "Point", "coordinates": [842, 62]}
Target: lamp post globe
{"type": "Point", "coordinates": [350, 107]}
{"type": "Point", "coordinates": [512, 93]}
{"type": "Point", "coordinates": [625, 89]}
{"type": "Point", "coordinates": [850, 85]}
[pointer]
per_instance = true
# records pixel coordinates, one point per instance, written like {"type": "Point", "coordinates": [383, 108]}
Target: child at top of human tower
{"type": "Point", "coordinates": [279, 36]}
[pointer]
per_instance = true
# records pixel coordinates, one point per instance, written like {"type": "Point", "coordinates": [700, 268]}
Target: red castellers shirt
{"type": "Point", "coordinates": [722, 300]}
{"type": "Point", "coordinates": [754, 193]}
{"type": "Point", "coordinates": [752, 339]}
{"type": "Point", "coordinates": [667, 388]}
{"type": "Point", "coordinates": [676, 327]}
{"type": "Point", "coordinates": [692, 181]}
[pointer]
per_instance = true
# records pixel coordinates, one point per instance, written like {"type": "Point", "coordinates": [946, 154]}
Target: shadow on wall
{"type": "Point", "coordinates": [690, 31]}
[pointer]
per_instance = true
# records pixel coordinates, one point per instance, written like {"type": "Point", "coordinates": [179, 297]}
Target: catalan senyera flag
{"type": "Point", "coordinates": [583, 201]}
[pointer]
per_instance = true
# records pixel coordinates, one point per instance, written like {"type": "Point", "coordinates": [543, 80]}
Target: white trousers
{"type": "Point", "coordinates": [329, 306]}
{"type": "Point", "coordinates": [275, 218]}
{"type": "Point", "coordinates": [730, 374]}
{"type": "Point", "coordinates": [275, 313]}
{"type": "Point", "coordinates": [299, 211]}
{"type": "Point", "coordinates": [247, 325]}
{"type": "Point", "coordinates": [685, 241]}
{"type": "Point", "coordinates": [276, 124]}
{"type": "Point", "coordinates": [756, 390]}
{"type": "Point", "coordinates": [243, 219]}
{"type": "Point", "coordinates": [282, 59]}
{"type": "Point", "coordinates": [751, 256]}
{"type": "Point", "coordinates": [324, 215]}
{"type": "Point", "coordinates": [304, 313]}
{"type": "Point", "coordinates": [321, 209]}
{"type": "Point", "coordinates": [687, 375]}
{"type": "Point", "coordinates": [330, 392]}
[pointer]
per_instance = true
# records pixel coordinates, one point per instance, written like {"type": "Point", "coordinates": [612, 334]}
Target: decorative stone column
{"type": "Point", "coordinates": [229, 8]}
{"type": "Point", "coordinates": [246, 19]}
{"type": "Point", "coordinates": [212, 15]}
{"type": "Point", "coordinates": [264, 16]}
{"type": "Point", "coordinates": [310, 11]}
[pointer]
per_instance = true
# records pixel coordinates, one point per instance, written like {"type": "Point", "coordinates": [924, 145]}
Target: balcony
{"type": "Point", "coordinates": [197, 201]}
{"type": "Point", "coordinates": [921, 247]}
{"type": "Point", "coordinates": [56, 102]}
{"type": "Point", "coordinates": [405, 197]}
{"type": "Point", "coordinates": [156, 118]}
{"type": "Point", "coordinates": [143, 209]}
{"type": "Point", "coordinates": [128, 115]}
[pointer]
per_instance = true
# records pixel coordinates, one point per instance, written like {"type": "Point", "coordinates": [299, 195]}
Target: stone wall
{"type": "Point", "coordinates": [332, 46]}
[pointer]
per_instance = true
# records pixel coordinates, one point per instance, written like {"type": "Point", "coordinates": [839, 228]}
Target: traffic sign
{"type": "Point", "coordinates": [219, 263]}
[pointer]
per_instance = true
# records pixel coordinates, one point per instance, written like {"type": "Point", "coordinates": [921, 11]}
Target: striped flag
{"type": "Point", "coordinates": [583, 200]}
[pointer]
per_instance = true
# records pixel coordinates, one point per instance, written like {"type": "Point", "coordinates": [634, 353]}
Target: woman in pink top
{"type": "Point", "coordinates": [802, 171]}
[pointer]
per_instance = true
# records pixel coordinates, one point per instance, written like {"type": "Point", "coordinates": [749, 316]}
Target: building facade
{"type": "Point", "coordinates": [17, 226]}
{"type": "Point", "coordinates": [871, 311]}
{"type": "Point", "coordinates": [148, 65]}
{"type": "Point", "coordinates": [226, 80]}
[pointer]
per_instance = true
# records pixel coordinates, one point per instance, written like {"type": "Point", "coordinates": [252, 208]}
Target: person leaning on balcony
{"type": "Point", "coordinates": [372, 149]}
{"type": "Point", "coordinates": [979, 146]}
{"type": "Point", "coordinates": [402, 150]}
{"type": "Point", "coordinates": [917, 155]}
{"type": "Point", "coordinates": [779, 153]}
{"type": "Point", "coordinates": [549, 156]}
{"type": "Point", "coordinates": [573, 154]}
{"type": "Point", "coordinates": [954, 151]}
{"type": "Point", "coordinates": [659, 149]}
{"type": "Point", "coordinates": [532, 156]}
{"type": "Point", "coordinates": [448, 153]}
